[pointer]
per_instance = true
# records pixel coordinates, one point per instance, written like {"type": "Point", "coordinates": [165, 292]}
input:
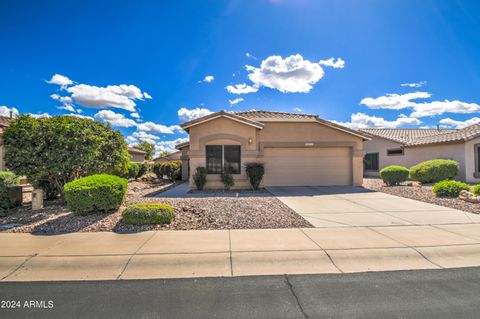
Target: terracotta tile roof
{"type": "Point", "coordinates": [405, 136]}
{"type": "Point", "coordinates": [4, 120]}
{"type": "Point", "coordinates": [136, 151]}
{"type": "Point", "coordinates": [270, 115]}
{"type": "Point", "coordinates": [461, 135]}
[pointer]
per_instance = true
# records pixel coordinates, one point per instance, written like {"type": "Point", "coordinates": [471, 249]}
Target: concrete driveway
{"type": "Point", "coordinates": [344, 206]}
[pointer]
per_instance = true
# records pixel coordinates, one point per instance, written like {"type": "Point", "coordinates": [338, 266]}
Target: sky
{"type": "Point", "coordinates": [145, 67]}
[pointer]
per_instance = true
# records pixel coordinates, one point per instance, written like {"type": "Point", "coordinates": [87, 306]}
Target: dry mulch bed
{"type": "Point", "coordinates": [261, 210]}
{"type": "Point", "coordinates": [421, 193]}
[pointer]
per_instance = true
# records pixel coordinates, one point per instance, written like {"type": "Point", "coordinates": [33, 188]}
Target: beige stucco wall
{"type": "Point", "coordinates": [137, 158]}
{"type": "Point", "coordinates": [274, 134]}
{"type": "Point", "coordinates": [415, 155]}
{"type": "Point", "coordinates": [470, 160]}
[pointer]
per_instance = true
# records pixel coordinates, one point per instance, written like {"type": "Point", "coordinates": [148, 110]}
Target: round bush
{"type": "Point", "coordinates": [142, 169]}
{"type": "Point", "coordinates": [434, 170]}
{"type": "Point", "coordinates": [143, 214]}
{"type": "Point", "coordinates": [448, 188]}
{"type": "Point", "coordinates": [9, 178]}
{"type": "Point", "coordinates": [132, 170]}
{"type": "Point", "coordinates": [96, 193]}
{"type": "Point", "coordinates": [476, 189]}
{"type": "Point", "coordinates": [394, 175]}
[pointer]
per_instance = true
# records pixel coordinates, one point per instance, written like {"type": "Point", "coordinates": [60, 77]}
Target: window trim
{"type": "Point", "coordinates": [476, 172]}
{"type": "Point", "coordinates": [396, 149]}
{"type": "Point", "coordinates": [223, 158]}
{"type": "Point", "coordinates": [378, 162]}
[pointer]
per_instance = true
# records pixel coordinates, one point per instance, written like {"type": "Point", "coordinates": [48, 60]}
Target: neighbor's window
{"type": "Point", "coordinates": [219, 156]}
{"type": "Point", "coordinates": [395, 151]}
{"type": "Point", "coordinates": [477, 159]}
{"type": "Point", "coordinates": [371, 162]}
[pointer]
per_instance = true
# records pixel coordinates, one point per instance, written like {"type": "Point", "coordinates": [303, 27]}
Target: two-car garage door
{"type": "Point", "coordinates": [308, 166]}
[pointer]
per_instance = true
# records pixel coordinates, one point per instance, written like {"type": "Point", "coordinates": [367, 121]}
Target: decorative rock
{"type": "Point", "coordinates": [469, 197]}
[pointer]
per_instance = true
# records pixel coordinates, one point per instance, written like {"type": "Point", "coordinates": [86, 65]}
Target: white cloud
{"type": "Point", "coordinates": [61, 80]}
{"type": "Point", "coordinates": [415, 84]}
{"type": "Point", "coordinates": [294, 74]}
{"type": "Point", "coordinates": [235, 101]}
{"type": "Point", "coordinates": [100, 97]}
{"type": "Point", "coordinates": [81, 116]}
{"type": "Point", "coordinates": [142, 135]}
{"type": "Point", "coordinates": [208, 78]}
{"type": "Point", "coordinates": [339, 64]}
{"type": "Point", "coordinates": [460, 124]}
{"type": "Point", "coordinates": [394, 101]}
{"type": "Point", "coordinates": [440, 107]}
{"type": "Point", "coordinates": [362, 120]}
{"type": "Point", "coordinates": [297, 109]}
{"type": "Point", "coordinates": [130, 91]}
{"type": "Point", "coordinates": [185, 114]}
{"type": "Point", "coordinates": [67, 107]}
{"type": "Point", "coordinates": [168, 145]}
{"type": "Point", "coordinates": [158, 128]}
{"type": "Point", "coordinates": [241, 88]}
{"type": "Point", "coordinates": [131, 139]}
{"type": "Point", "coordinates": [37, 116]}
{"type": "Point", "coordinates": [135, 115]}
{"type": "Point", "coordinates": [250, 56]}
{"type": "Point", "coordinates": [115, 119]}
{"type": "Point", "coordinates": [5, 111]}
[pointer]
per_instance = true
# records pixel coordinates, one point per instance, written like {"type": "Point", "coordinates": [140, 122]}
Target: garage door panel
{"type": "Point", "coordinates": [308, 166]}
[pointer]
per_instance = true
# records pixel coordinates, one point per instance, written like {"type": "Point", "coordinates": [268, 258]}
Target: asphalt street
{"type": "Point", "coordinates": [446, 293]}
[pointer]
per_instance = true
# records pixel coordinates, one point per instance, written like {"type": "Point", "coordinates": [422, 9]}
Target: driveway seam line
{"type": "Point", "coordinates": [19, 266]}
{"type": "Point", "coordinates": [326, 253]}
{"type": "Point", "coordinates": [452, 232]}
{"type": "Point", "coordinates": [131, 256]}
{"type": "Point", "coordinates": [230, 250]}
{"type": "Point", "coordinates": [421, 254]}
{"type": "Point", "coordinates": [292, 291]}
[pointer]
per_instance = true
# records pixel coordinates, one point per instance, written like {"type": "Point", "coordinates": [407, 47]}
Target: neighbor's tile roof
{"type": "Point", "coordinates": [270, 115]}
{"type": "Point", "coordinates": [136, 150]}
{"type": "Point", "coordinates": [404, 136]}
{"type": "Point", "coordinates": [415, 137]}
{"type": "Point", "coordinates": [4, 121]}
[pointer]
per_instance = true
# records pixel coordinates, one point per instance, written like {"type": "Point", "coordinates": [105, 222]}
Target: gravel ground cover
{"type": "Point", "coordinates": [420, 192]}
{"type": "Point", "coordinates": [248, 212]}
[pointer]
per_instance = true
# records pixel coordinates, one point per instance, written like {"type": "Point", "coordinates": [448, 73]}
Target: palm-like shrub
{"type": "Point", "coordinates": [200, 177]}
{"type": "Point", "coordinates": [449, 188]}
{"type": "Point", "coordinates": [95, 194]}
{"type": "Point", "coordinates": [394, 175]}
{"type": "Point", "coordinates": [255, 172]}
{"type": "Point", "coordinates": [434, 170]}
{"type": "Point", "coordinates": [227, 178]}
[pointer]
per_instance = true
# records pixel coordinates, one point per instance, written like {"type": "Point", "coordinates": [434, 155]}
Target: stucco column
{"type": "Point", "coordinates": [185, 164]}
{"type": "Point", "coordinates": [357, 167]}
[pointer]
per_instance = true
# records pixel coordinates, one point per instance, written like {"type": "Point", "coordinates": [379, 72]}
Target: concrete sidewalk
{"type": "Point", "coordinates": [174, 254]}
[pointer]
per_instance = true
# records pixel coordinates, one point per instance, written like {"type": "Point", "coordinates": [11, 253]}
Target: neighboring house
{"type": "Point", "coordinates": [174, 156]}
{"type": "Point", "coordinates": [137, 156]}
{"type": "Point", "coordinates": [296, 149]}
{"type": "Point", "coordinates": [4, 121]}
{"type": "Point", "coordinates": [408, 147]}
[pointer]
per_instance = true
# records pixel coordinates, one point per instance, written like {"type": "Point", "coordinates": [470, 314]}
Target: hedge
{"type": "Point", "coordinates": [449, 188]}
{"type": "Point", "coordinates": [434, 170]}
{"type": "Point", "coordinates": [132, 170]}
{"type": "Point", "coordinates": [143, 214]}
{"type": "Point", "coordinates": [171, 169]}
{"type": "Point", "coordinates": [4, 200]}
{"type": "Point", "coordinates": [394, 175]}
{"type": "Point", "coordinates": [96, 193]}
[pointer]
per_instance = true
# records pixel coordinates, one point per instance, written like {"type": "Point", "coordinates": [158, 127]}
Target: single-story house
{"type": "Point", "coordinates": [296, 149]}
{"type": "Point", "coordinates": [174, 156]}
{"type": "Point", "coordinates": [408, 147]}
{"type": "Point", "coordinates": [137, 156]}
{"type": "Point", "coordinates": [4, 121]}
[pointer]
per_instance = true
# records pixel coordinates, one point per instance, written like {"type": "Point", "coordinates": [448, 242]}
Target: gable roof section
{"type": "Point", "coordinates": [462, 135]}
{"type": "Point", "coordinates": [134, 150]}
{"type": "Point", "coordinates": [255, 118]}
{"type": "Point", "coordinates": [404, 136]}
{"type": "Point", "coordinates": [220, 114]}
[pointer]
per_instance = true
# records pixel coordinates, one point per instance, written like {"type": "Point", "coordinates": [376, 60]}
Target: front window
{"type": "Point", "coordinates": [220, 156]}
{"type": "Point", "coordinates": [477, 158]}
{"type": "Point", "coordinates": [395, 151]}
{"type": "Point", "coordinates": [371, 162]}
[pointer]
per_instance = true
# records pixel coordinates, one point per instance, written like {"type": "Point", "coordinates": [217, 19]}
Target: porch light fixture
{"type": "Point", "coordinates": [250, 140]}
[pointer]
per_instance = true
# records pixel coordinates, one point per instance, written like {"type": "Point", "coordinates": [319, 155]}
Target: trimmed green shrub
{"type": "Point", "coordinates": [227, 178]}
{"type": "Point", "coordinates": [449, 188]}
{"type": "Point", "coordinates": [394, 175]}
{"type": "Point", "coordinates": [476, 189]}
{"type": "Point", "coordinates": [143, 168]}
{"type": "Point", "coordinates": [171, 169]}
{"type": "Point", "coordinates": [142, 214]}
{"type": "Point", "coordinates": [200, 177]}
{"type": "Point", "coordinates": [4, 199]}
{"type": "Point", "coordinates": [434, 170]}
{"type": "Point", "coordinates": [132, 170]}
{"type": "Point", "coordinates": [255, 172]}
{"type": "Point", "coordinates": [96, 193]}
{"type": "Point", "coordinates": [9, 178]}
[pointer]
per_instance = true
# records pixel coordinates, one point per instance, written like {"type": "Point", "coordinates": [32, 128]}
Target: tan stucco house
{"type": "Point", "coordinates": [174, 156]}
{"type": "Point", "coordinates": [4, 121]}
{"type": "Point", "coordinates": [296, 149]}
{"type": "Point", "coordinates": [408, 147]}
{"type": "Point", "coordinates": [136, 155]}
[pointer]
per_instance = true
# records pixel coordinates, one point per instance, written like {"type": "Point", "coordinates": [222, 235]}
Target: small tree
{"type": "Point", "coordinates": [59, 149]}
{"type": "Point", "coordinates": [147, 147]}
{"type": "Point", "coordinates": [255, 172]}
{"type": "Point", "coordinates": [200, 177]}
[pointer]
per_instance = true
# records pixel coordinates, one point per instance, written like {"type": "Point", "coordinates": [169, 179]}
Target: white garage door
{"type": "Point", "coordinates": [308, 166]}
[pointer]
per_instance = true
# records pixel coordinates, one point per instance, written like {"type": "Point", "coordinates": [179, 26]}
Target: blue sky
{"type": "Point", "coordinates": [147, 66]}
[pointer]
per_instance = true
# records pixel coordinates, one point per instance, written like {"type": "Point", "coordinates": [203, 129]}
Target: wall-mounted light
{"type": "Point", "coordinates": [250, 140]}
